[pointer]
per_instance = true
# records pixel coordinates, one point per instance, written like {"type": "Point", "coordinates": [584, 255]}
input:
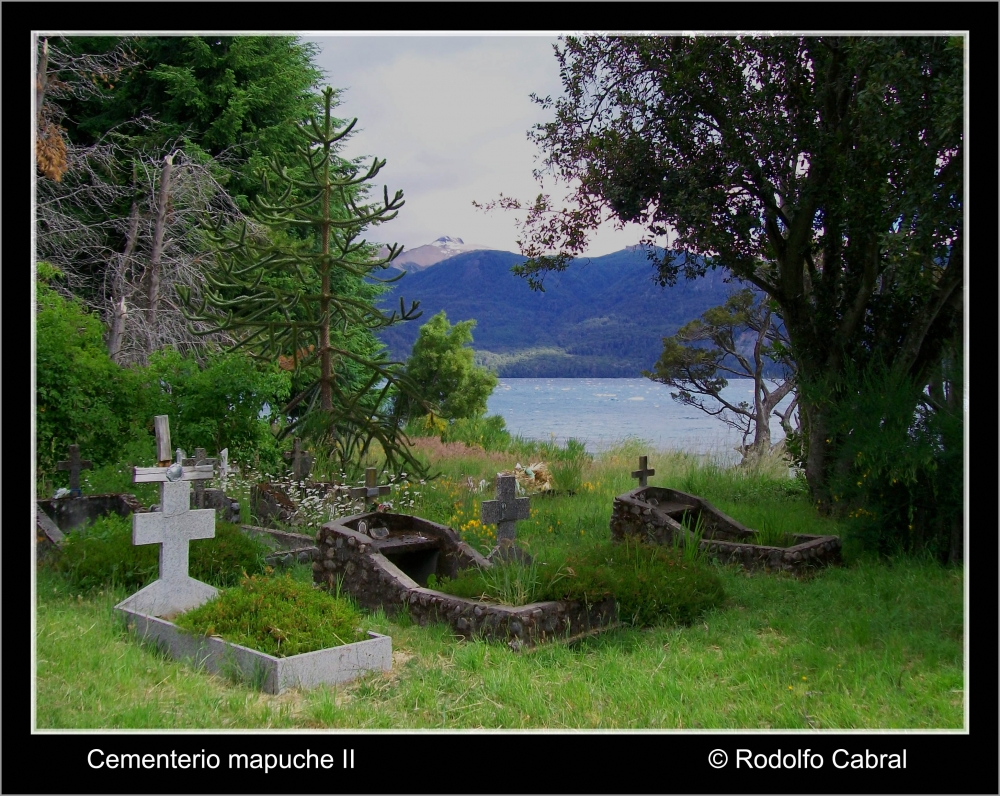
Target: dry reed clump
{"type": "Point", "coordinates": [436, 450]}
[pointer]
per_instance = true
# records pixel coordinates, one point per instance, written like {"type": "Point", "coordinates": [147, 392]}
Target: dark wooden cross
{"type": "Point", "coordinates": [199, 485]}
{"type": "Point", "coordinates": [74, 465]}
{"type": "Point", "coordinates": [643, 472]}
{"type": "Point", "coordinates": [370, 489]}
{"type": "Point", "coordinates": [301, 461]}
{"type": "Point", "coordinates": [507, 509]}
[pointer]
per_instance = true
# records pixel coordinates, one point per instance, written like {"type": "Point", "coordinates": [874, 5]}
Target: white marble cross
{"type": "Point", "coordinates": [173, 527]}
{"type": "Point", "coordinates": [507, 509]}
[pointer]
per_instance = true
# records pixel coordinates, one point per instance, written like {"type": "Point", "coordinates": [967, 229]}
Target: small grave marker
{"type": "Point", "coordinates": [74, 465]}
{"type": "Point", "coordinates": [370, 489]}
{"type": "Point", "coordinates": [643, 472]}
{"type": "Point", "coordinates": [173, 527]}
{"type": "Point", "coordinates": [507, 509]}
{"type": "Point", "coordinates": [302, 461]}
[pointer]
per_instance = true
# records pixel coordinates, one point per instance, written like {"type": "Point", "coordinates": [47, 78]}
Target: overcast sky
{"type": "Point", "coordinates": [449, 114]}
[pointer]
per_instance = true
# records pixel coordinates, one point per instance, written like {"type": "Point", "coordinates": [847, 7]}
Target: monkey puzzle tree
{"type": "Point", "coordinates": [304, 298]}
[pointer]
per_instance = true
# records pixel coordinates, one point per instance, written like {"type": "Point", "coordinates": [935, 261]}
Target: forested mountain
{"type": "Point", "coordinates": [602, 317]}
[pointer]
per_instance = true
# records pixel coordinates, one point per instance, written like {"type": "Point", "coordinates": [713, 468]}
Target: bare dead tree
{"type": "Point", "coordinates": [126, 265]}
{"type": "Point", "coordinates": [122, 263]}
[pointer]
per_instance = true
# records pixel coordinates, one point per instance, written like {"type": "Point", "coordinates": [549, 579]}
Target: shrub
{"type": "Point", "coordinates": [82, 396]}
{"type": "Point", "coordinates": [899, 474]}
{"type": "Point", "coordinates": [490, 433]}
{"type": "Point", "coordinates": [218, 404]}
{"type": "Point", "coordinates": [650, 583]}
{"type": "Point", "coordinates": [277, 616]}
{"type": "Point", "coordinates": [102, 555]}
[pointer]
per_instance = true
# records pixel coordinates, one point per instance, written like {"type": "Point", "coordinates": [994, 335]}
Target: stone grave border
{"type": "Point", "coordinates": [276, 675]}
{"type": "Point", "coordinates": [287, 546]}
{"type": "Point", "coordinates": [632, 515]}
{"type": "Point", "coordinates": [148, 612]}
{"type": "Point", "coordinates": [353, 559]}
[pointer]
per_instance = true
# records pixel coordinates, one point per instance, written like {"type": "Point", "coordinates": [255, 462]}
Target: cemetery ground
{"type": "Point", "coordinates": [872, 644]}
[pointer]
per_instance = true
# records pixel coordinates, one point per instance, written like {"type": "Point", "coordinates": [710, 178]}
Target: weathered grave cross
{"type": "Point", "coordinates": [369, 490]}
{"type": "Point", "coordinates": [643, 472]}
{"type": "Point", "coordinates": [301, 461]}
{"type": "Point", "coordinates": [74, 465]}
{"type": "Point", "coordinates": [173, 527]}
{"type": "Point", "coordinates": [506, 510]}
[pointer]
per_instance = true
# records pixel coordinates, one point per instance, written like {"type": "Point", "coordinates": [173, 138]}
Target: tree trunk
{"type": "Point", "coordinates": [118, 312]}
{"type": "Point", "coordinates": [816, 455]}
{"type": "Point", "coordinates": [41, 78]}
{"type": "Point", "coordinates": [326, 365]}
{"type": "Point", "coordinates": [157, 253]}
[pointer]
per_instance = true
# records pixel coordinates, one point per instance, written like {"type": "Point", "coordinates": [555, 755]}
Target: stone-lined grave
{"type": "Point", "coordinates": [384, 560]}
{"type": "Point", "coordinates": [658, 514]}
{"type": "Point", "coordinates": [149, 610]}
{"type": "Point", "coordinates": [56, 516]}
{"type": "Point", "coordinates": [74, 464]}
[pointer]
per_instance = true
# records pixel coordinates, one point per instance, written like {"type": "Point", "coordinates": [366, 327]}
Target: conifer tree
{"type": "Point", "coordinates": [299, 295]}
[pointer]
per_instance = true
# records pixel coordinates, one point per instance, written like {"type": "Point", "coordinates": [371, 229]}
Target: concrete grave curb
{"type": "Point", "coordinates": [308, 670]}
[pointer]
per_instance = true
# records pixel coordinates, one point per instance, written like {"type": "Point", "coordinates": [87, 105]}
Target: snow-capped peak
{"type": "Point", "coordinates": [446, 242]}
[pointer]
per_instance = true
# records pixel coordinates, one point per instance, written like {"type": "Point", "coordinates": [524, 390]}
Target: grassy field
{"type": "Point", "coordinates": [867, 645]}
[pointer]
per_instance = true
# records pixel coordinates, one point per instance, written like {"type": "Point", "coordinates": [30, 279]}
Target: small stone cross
{"type": "Point", "coordinates": [369, 490]}
{"type": "Point", "coordinates": [302, 461]}
{"type": "Point", "coordinates": [643, 472]}
{"type": "Point", "coordinates": [74, 465]}
{"type": "Point", "coordinates": [507, 509]}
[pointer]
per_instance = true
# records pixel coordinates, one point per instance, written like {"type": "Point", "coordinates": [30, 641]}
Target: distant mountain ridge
{"type": "Point", "coordinates": [603, 317]}
{"type": "Point", "coordinates": [414, 260]}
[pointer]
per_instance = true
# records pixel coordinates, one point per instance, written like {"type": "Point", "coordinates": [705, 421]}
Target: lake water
{"type": "Point", "coordinates": [601, 412]}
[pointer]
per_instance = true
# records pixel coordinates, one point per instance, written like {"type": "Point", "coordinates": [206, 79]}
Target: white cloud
{"type": "Point", "coordinates": [450, 115]}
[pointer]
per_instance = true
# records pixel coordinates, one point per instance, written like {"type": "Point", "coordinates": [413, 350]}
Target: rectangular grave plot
{"type": "Point", "coordinates": [72, 513]}
{"type": "Point", "coordinates": [391, 573]}
{"type": "Point", "coordinates": [272, 675]}
{"type": "Point", "coordinates": [655, 514]}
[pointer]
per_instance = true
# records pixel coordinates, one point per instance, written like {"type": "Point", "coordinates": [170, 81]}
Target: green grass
{"type": "Point", "coordinates": [280, 616]}
{"type": "Point", "coordinates": [869, 645]}
{"type": "Point", "coordinates": [878, 646]}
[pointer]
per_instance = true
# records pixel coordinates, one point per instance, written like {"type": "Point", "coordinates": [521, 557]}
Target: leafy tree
{"type": "Point", "coordinates": [695, 370]}
{"type": "Point", "coordinates": [443, 369]}
{"type": "Point", "coordinates": [304, 299]}
{"type": "Point", "coordinates": [826, 171]}
{"type": "Point", "coordinates": [231, 96]}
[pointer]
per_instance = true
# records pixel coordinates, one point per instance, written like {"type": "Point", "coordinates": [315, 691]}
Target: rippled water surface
{"type": "Point", "coordinates": [600, 412]}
